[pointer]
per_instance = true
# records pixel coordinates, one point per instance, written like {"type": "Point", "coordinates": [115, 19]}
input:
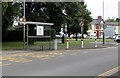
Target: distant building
{"type": "Point", "coordinates": [96, 29]}
{"type": "Point", "coordinates": [111, 28]}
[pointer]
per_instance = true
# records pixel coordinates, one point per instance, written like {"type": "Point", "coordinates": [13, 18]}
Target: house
{"type": "Point", "coordinates": [96, 29]}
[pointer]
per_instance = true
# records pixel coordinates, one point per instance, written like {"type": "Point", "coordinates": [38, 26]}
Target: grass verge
{"type": "Point", "coordinates": [19, 44]}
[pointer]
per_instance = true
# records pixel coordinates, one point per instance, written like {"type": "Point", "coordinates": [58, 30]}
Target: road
{"type": "Point", "coordinates": [85, 62]}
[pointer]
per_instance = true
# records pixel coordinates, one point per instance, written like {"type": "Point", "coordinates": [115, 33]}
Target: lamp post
{"type": "Point", "coordinates": [103, 25]}
{"type": "Point", "coordinates": [24, 27]}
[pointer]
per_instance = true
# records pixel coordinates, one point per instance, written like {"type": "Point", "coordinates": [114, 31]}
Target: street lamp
{"type": "Point", "coordinates": [102, 23]}
{"type": "Point", "coordinates": [24, 26]}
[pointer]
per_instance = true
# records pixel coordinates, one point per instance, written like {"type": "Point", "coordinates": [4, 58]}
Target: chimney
{"type": "Point", "coordinates": [99, 17]}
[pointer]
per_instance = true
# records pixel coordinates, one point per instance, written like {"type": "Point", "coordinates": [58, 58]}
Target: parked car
{"type": "Point", "coordinates": [117, 38]}
{"type": "Point", "coordinates": [113, 37]}
{"type": "Point", "coordinates": [58, 36]}
{"type": "Point", "coordinates": [91, 37]}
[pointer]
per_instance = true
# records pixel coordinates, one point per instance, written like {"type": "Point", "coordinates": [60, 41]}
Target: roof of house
{"type": "Point", "coordinates": [97, 22]}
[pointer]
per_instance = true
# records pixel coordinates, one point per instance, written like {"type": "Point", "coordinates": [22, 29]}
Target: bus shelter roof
{"type": "Point", "coordinates": [36, 23]}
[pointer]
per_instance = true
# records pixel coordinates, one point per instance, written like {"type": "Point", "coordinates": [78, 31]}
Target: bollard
{"type": "Point", "coordinates": [67, 43]}
{"type": "Point", "coordinates": [82, 43]}
{"type": "Point", "coordinates": [95, 43]}
{"type": "Point", "coordinates": [55, 44]}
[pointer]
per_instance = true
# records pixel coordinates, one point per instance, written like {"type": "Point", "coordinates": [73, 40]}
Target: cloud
{"type": "Point", "coordinates": [96, 7]}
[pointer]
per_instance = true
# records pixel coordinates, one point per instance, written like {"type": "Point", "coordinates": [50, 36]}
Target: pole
{"type": "Point", "coordinates": [82, 32]}
{"type": "Point", "coordinates": [24, 28]}
{"type": "Point", "coordinates": [103, 25]}
{"type": "Point", "coordinates": [82, 29]}
{"type": "Point", "coordinates": [82, 25]}
{"type": "Point", "coordinates": [27, 35]}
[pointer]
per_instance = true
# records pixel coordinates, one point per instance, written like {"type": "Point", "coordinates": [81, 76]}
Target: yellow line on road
{"type": "Point", "coordinates": [110, 72]}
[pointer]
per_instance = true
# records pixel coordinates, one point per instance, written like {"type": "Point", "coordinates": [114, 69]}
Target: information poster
{"type": "Point", "coordinates": [40, 30]}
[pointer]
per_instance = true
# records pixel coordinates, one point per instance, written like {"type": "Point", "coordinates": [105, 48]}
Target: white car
{"type": "Point", "coordinates": [58, 36]}
{"type": "Point", "coordinates": [117, 38]}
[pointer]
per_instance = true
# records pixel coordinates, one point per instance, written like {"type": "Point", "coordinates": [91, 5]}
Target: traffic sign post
{"type": "Point", "coordinates": [82, 29]}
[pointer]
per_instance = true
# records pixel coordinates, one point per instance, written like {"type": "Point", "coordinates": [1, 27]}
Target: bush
{"type": "Point", "coordinates": [17, 35]}
{"type": "Point", "coordinates": [14, 35]}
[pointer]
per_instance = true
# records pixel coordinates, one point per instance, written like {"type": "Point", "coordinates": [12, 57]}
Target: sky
{"type": "Point", "coordinates": [96, 7]}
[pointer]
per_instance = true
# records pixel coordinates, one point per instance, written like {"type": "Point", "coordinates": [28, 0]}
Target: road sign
{"type": "Point", "coordinates": [81, 24]}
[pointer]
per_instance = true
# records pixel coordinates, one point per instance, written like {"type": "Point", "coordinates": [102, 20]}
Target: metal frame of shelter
{"type": "Point", "coordinates": [26, 34]}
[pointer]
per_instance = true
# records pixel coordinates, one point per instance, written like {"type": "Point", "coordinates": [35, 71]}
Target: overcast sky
{"type": "Point", "coordinates": [96, 7]}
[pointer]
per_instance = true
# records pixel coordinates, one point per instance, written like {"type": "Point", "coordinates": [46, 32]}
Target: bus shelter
{"type": "Point", "coordinates": [41, 31]}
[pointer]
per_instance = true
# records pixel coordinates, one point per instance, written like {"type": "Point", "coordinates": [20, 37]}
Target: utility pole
{"type": "Point", "coordinates": [24, 27]}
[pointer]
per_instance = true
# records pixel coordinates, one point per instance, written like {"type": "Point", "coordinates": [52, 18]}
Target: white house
{"type": "Point", "coordinates": [96, 29]}
{"type": "Point", "coordinates": [111, 28]}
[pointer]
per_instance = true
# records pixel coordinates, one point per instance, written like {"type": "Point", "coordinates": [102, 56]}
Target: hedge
{"type": "Point", "coordinates": [17, 35]}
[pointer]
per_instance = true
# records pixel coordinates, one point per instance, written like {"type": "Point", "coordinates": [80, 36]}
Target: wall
{"type": "Point", "coordinates": [110, 31]}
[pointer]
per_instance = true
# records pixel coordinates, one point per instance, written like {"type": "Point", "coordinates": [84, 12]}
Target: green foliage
{"type": "Point", "coordinates": [51, 12]}
{"type": "Point", "coordinates": [9, 11]}
{"type": "Point", "coordinates": [45, 12]}
{"type": "Point", "coordinates": [111, 19]}
{"type": "Point", "coordinates": [77, 12]}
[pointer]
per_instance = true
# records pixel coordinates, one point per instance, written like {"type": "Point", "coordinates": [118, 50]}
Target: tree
{"type": "Point", "coordinates": [45, 12]}
{"type": "Point", "coordinates": [51, 12]}
{"type": "Point", "coordinates": [111, 19]}
{"type": "Point", "coordinates": [9, 11]}
{"type": "Point", "coordinates": [77, 12]}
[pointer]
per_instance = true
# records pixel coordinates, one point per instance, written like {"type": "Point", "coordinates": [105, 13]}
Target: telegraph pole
{"type": "Point", "coordinates": [24, 27]}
